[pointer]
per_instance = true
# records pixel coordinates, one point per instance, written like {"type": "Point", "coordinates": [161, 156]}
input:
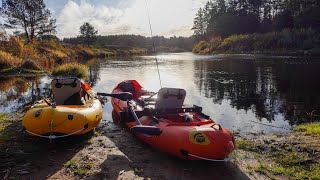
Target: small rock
{"type": "Point", "coordinates": [121, 172]}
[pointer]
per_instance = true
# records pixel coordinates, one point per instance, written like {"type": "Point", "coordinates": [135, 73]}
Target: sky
{"type": "Point", "coordinates": [168, 17]}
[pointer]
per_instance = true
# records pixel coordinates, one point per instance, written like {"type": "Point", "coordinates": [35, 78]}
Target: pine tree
{"type": "Point", "coordinates": [88, 32]}
{"type": "Point", "coordinates": [29, 15]}
{"type": "Point", "coordinates": [206, 15]}
{"type": "Point", "coordinates": [199, 23]}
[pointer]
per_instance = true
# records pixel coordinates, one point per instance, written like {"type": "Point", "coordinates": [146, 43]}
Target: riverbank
{"type": "Point", "coordinates": [293, 42]}
{"type": "Point", "coordinates": [294, 155]}
{"type": "Point", "coordinates": [48, 53]}
{"type": "Point", "coordinates": [112, 152]}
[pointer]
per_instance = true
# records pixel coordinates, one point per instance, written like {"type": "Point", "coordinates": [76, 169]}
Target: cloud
{"type": "Point", "coordinates": [168, 17]}
{"type": "Point", "coordinates": [179, 31]}
{"type": "Point", "coordinates": [73, 15]}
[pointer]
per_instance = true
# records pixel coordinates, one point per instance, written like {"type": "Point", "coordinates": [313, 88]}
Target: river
{"type": "Point", "coordinates": [244, 93]}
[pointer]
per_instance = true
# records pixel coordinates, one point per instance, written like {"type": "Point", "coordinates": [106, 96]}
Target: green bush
{"type": "Point", "coordinates": [202, 47]}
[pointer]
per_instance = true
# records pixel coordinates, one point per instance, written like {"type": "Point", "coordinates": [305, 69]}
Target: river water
{"type": "Point", "coordinates": [244, 93]}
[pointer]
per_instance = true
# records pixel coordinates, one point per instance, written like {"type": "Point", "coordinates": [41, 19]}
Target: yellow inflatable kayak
{"type": "Point", "coordinates": [73, 109]}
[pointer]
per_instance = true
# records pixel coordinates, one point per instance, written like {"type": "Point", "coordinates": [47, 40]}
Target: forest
{"type": "Point", "coordinates": [275, 25]}
{"type": "Point", "coordinates": [171, 44]}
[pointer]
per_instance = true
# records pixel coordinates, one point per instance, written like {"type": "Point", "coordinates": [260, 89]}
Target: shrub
{"type": "Point", "coordinates": [71, 70]}
{"type": "Point", "coordinates": [285, 40]}
{"type": "Point", "coordinates": [201, 47]}
{"type": "Point", "coordinates": [215, 43]}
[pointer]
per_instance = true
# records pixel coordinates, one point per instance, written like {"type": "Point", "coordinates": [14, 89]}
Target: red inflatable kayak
{"type": "Point", "coordinates": [185, 131]}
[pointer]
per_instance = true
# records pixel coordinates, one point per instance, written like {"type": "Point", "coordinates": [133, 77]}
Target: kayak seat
{"type": "Point", "coordinates": [66, 91]}
{"type": "Point", "coordinates": [170, 98]}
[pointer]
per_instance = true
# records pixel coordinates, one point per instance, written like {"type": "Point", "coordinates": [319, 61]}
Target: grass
{"type": "Point", "coordinates": [309, 128]}
{"type": "Point", "coordinates": [49, 53]}
{"type": "Point", "coordinates": [2, 121]}
{"type": "Point", "coordinates": [290, 163]}
{"type": "Point", "coordinates": [78, 168]}
{"type": "Point", "coordinates": [7, 57]}
{"type": "Point", "coordinates": [5, 133]}
{"type": "Point", "coordinates": [293, 171]}
{"type": "Point", "coordinates": [295, 41]}
{"type": "Point", "coordinates": [71, 70]}
{"type": "Point", "coordinates": [246, 145]}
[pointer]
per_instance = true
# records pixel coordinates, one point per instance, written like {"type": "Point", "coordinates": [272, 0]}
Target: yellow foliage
{"type": "Point", "coordinates": [6, 58]}
{"type": "Point", "coordinates": [202, 47]}
{"type": "Point", "coordinates": [71, 70]}
{"type": "Point", "coordinates": [49, 52]}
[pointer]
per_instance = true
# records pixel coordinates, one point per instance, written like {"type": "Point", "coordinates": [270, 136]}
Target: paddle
{"type": "Point", "coordinates": [142, 129]}
{"type": "Point", "coordinates": [149, 130]}
{"type": "Point", "coordinates": [123, 96]}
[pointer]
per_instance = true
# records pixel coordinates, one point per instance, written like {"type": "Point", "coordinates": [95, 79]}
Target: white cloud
{"type": "Point", "coordinates": [168, 17]}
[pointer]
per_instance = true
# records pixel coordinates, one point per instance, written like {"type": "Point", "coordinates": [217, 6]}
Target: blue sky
{"type": "Point", "coordinates": [168, 17]}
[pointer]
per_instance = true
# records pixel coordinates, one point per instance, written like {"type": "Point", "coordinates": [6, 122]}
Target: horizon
{"type": "Point", "coordinates": [118, 17]}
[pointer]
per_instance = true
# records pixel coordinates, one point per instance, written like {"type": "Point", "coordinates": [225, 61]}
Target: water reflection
{"type": "Point", "coordinates": [247, 84]}
{"type": "Point", "coordinates": [16, 92]}
{"type": "Point", "coordinates": [237, 91]}
{"type": "Point", "coordinates": [268, 88]}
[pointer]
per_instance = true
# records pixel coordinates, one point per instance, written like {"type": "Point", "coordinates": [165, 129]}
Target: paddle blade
{"type": "Point", "coordinates": [148, 130]}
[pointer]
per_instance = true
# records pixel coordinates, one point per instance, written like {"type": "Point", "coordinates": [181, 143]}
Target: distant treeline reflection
{"type": "Point", "coordinates": [268, 88]}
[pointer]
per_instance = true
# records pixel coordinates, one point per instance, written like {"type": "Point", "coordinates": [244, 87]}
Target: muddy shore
{"type": "Point", "coordinates": [112, 152]}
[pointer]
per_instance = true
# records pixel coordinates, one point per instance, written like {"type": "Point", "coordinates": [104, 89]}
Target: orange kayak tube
{"type": "Point", "coordinates": [199, 138]}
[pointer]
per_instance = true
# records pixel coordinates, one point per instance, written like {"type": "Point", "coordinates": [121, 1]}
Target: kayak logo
{"type": "Point", "coordinates": [197, 137]}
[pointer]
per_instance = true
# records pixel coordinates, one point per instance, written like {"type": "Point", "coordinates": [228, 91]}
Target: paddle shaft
{"type": "Point", "coordinates": [124, 96]}
{"type": "Point", "coordinates": [133, 113]}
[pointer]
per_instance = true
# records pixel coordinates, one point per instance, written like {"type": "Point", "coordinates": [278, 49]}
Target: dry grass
{"type": "Point", "coordinates": [6, 58]}
{"type": "Point", "coordinates": [48, 53]}
{"type": "Point", "coordinates": [71, 70]}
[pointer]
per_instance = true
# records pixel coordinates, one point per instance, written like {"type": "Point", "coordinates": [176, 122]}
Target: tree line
{"type": "Point", "coordinates": [228, 17]}
{"type": "Point", "coordinates": [32, 19]}
{"type": "Point", "coordinates": [130, 40]}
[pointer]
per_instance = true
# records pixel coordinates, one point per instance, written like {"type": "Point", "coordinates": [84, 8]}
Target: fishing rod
{"type": "Point", "coordinates": [51, 77]}
{"type": "Point", "coordinates": [26, 81]}
{"type": "Point", "coordinates": [153, 44]}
